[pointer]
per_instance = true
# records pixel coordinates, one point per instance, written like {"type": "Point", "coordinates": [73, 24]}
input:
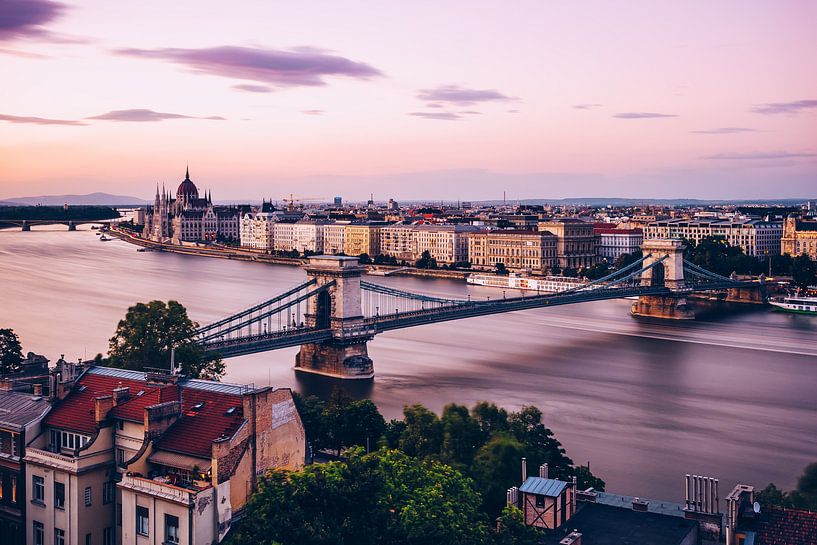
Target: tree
{"type": "Point", "coordinates": [423, 434]}
{"type": "Point", "coordinates": [540, 444]}
{"type": "Point", "coordinates": [385, 497]}
{"type": "Point", "coordinates": [144, 338]}
{"type": "Point", "coordinates": [500, 268]}
{"type": "Point", "coordinates": [461, 436]}
{"type": "Point", "coordinates": [310, 409]}
{"type": "Point", "coordinates": [513, 530]}
{"type": "Point", "coordinates": [628, 259]}
{"type": "Point", "coordinates": [803, 271]}
{"type": "Point", "coordinates": [490, 419]}
{"type": "Point", "coordinates": [496, 468]}
{"type": "Point", "coordinates": [364, 259]}
{"type": "Point", "coordinates": [11, 353]}
{"type": "Point", "coordinates": [772, 496]}
{"type": "Point", "coordinates": [426, 261]}
{"type": "Point", "coordinates": [802, 497]}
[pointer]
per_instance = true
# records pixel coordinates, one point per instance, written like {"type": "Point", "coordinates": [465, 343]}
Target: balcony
{"type": "Point", "coordinates": [156, 487]}
{"type": "Point", "coordinates": [63, 462]}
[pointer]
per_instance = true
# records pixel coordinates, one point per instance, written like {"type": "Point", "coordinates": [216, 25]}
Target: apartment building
{"type": "Point", "coordinates": [334, 238]}
{"type": "Point", "coordinates": [575, 242]}
{"type": "Point", "coordinates": [257, 231]}
{"type": "Point", "coordinates": [20, 417]}
{"type": "Point", "coordinates": [755, 237]}
{"type": "Point", "coordinates": [308, 236]}
{"type": "Point", "coordinates": [613, 242]}
{"type": "Point", "coordinates": [445, 243]}
{"type": "Point", "coordinates": [362, 238]}
{"type": "Point", "coordinates": [799, 237]}
{"type": "Point", "coordinates": [517, 249]}
{"type": "Point", "coordinates": [139, 458]}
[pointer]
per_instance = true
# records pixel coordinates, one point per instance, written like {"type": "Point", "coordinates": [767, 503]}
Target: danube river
{"type": "Point", "coordinates": [645, 402]}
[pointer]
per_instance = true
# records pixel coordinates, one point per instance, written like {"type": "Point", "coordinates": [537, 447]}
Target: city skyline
{"type": "Point", "coordinates": [428, 100]}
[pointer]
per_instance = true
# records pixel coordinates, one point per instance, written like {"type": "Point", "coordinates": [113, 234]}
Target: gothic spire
{"type": "Point", "coordinates": [187, 172]}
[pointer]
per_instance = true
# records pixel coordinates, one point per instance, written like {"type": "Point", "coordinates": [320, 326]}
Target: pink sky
{"type": "Point", "coordinates": [437, 100]}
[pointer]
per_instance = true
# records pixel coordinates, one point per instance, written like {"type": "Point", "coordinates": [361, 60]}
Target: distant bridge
{"type": "Point", "coordinates": [71, 223]}
{"type": "Point", "coordinates": [335, 313]}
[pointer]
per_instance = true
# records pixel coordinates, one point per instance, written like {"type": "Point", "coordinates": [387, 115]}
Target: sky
{"type": "Point", "coordinates": [410, 100]}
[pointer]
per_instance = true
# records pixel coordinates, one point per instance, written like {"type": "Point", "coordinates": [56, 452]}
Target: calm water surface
{"type": "Point", "coordinates": [645, 402]}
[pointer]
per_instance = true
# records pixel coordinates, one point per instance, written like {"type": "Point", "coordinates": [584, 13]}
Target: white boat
{"type": "Point", "coordinates": [103, 238]}
{"type": "Point", "coordinates": [515, 281]}
{"type": "Point", "coordinates": [802, 305]}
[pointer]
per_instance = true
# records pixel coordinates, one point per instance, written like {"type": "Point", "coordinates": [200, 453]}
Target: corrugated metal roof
{"type": "Point", "coordinates": [118, 373]}
{"type": "Point", "coordinates": [543, 487]}
{"type": "Point", "coordinates": [18, 409]}
{"type": "Point", "coordinates": [211, 386]}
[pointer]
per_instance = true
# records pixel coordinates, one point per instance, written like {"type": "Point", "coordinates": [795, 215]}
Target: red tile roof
{"type": "Point", "coordinates": [76, 411]}
{"type": "Point", "coordinates": [195, 431]}
{"type": "Point", "coordinates": [133, 409]}
{"type": "Point", "coordinates": [787, 527]}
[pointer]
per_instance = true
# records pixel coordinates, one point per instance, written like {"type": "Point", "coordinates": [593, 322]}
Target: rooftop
{"type": "Point", "coordinates": [17, 409]}
{"type": "Point", "coordinates": [607, 525]}
{"type": "Point", "coordinates": [779, 526]}
{"type": "Point", "coordinates": [543, 487]}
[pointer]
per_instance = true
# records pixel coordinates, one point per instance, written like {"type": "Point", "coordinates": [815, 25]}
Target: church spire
{"type": "Point", "coordinates": [187, 172]}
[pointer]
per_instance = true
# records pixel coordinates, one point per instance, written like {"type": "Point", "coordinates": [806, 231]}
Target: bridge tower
{"type": "Point", "coordinates": [72, 226]}
{"type": "Point", "coordinates": [668, 274]}
{"type": "Point", "coordinates": [339, 308]}
{"type": "Point", "coordinates": [26, 226]}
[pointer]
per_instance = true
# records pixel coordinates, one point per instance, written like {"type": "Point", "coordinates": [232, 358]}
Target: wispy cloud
{"type": "Point", "coordinates": [586, 106]}
{"type": "Point", "coordinates": [454, 94]}
{"type": "Point", "coordinates": [443, 116]}
{"type": "Point", "coordinates": [19, 53]}
{"type": "Point", "coordinates": [725, 130]}
{"type": "Point", "coordinates": [790, 108]}
{"type": "Point", "coordinates": [756, 155]}
{"type": "Point", "coordinates": [38, 120]}
{"type": "Point", "coordinates": [641, 115]}
{"type": "Point", "coordinates": [251, 88]}
{"type": "Point", "coordinates": [140, 115]}
{"type": "Point", "coordinates": [26, 18]}
{"type": "Point", "coordinates": [303, 66]}
{"type": "Point", "coordinates": [312, 112]}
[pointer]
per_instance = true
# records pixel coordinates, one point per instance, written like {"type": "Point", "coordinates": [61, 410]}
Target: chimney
{"type": "Point", "coordinates": [543, 471]}
{"type": "Point", "coordinates": [640, 505]}
{"type": "Point", "coordinates": [573, 538]}
{"type": "Point", "coordinates": [102, 405]}
{"type": "Point", "coordinates": [121, 394]}
{"type": "Point", "coordinates": [524, 469]}
{"type": "Point", "coordinates": [6, 385]}
{"type": "Point", "coordinates": [37, 389]}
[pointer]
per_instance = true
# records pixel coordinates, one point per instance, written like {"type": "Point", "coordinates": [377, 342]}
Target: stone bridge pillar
{"type": "Point", "coordinates": [339, 308]}
{"type": "Point", "coordinates": [26, 226]}
{"type": "Point", "coordinates": [669, 274]}
{"type": "Point", "coordinates": [72, 226]}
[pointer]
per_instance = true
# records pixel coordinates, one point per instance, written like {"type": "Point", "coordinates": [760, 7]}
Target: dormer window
{"type": "Point", "coordinates": [197, 407]}
{"type": "Point", "coordinates": [230, 411]}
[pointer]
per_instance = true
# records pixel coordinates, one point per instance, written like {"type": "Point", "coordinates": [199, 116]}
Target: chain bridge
{"type": "Point", "coordinates": [335, 312]}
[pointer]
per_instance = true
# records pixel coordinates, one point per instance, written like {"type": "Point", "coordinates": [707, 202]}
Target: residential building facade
{"type": "Point", "coordinates": [446, 244]}
{"type": "Point", "coordinates": [612, 243]}
{"type": "Point", "coordinates": [756, 238]}
{"type": "Point", "coordinates": [800, 237]}
{"type": "Point", "coordinates": [517, 249]}
{"type": "Point", "coordinates": [362, 238]}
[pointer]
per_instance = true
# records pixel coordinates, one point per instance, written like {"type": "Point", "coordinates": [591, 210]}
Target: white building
{"type": "Point", "coordinates": [612, 243]}
{"type": "Point", "coordinates": [257, 231]}
{"type": "Point", "coordinates": [307, 235]}
{"type": "Point", "coordinates": [334, 237]}
{"type": "Point", "coordinates": [757, 238]}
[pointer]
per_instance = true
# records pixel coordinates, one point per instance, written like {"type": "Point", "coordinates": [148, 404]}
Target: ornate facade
{"type": "Point", "coordinates": [190, 218]}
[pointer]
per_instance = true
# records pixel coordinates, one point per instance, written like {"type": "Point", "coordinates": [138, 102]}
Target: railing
{"type": "Point", "coordinates": [162, 490]}
{"type": "Point", "coordinates": [67, 462]}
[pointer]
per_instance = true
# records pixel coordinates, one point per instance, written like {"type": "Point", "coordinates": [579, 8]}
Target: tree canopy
{"type": "Point", "coordinates": [11, 353]}
{"type": "Point", "coordinates": [144, 338]}
{"type": "Point", "coordinates": [802, 497]}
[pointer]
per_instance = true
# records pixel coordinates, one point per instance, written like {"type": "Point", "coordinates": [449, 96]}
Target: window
{"type": "Point", "coordinates": [119, 514]}
{"type": "Point", "coordinates": [59, 495]}
{"type": "Point", "coordinates": [142, 520]}
{"type": "Point", "coordinates": [120, 456]}
{"type": "Point", "coordinates": [171, 529]}
{"type": "Point", "coordinates": [107, 536]}
{"type": "Point", "coordinates": [87, 496]}
{"type": "Point", "coordinates": [107, 492]}
{"type": "Point", "coordinates": [59, 536]}
{"type": "Point", "coordinates": [89, 539]}
{"type": "Point", "coordinates": [37, 489]}
{"type": "Point", "coordinates": [39, 533]}
{"type": "Point", "coordinates": [540, 502]}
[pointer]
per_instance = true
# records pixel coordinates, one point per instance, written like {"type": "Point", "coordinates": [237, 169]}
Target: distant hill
{"type": "Point", "coordinates": [91, 199]}
{"type": "Point", "coordinates": [617, 201]}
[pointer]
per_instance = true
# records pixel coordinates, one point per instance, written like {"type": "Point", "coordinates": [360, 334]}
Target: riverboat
{"type": "Point", "coordinates": [801, 305]}
{"type": "Point", "coordinates": [103, 238]}
{"type": "Point", "coordinates": [516, 281]}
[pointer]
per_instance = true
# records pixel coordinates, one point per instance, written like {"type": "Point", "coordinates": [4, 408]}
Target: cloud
{"type": "Point", "coordinates": [454, 94]}
{"type": "Point", "coordinates": [641, 115]}
{"type": "Point", "coordinates": [139, 114]}
{"type": "Point", "coordinates": [445, 116]}
{"type": "Point", "coordinates": [25, 18]}
{"type": "Point", "coordinates": [24, 54]}
{"type": "Point", "coordinates": [725, 130]}
{"type": "Point", "coordinates": [302, 66]}
{"type": "Point", "coordinates": [38, 120]}
{"type": "Point", "coordinates": [790, 108]}
{"type": "Point", "coordinates": [586, 106]}
{"type": "Point", "coordinates": [756, 155]}
{"type": "Point", "coordinates": [513, 111]}
{"type": "Point", "coordinates": [312, 112]}
{"type": "Point", "coordinates": [250, 88]}
{"type": "Point", "coordinates": [470, 112]}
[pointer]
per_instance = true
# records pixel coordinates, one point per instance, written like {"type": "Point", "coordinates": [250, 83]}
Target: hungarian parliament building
{"type": "Point", "coordinates": [190, 218]}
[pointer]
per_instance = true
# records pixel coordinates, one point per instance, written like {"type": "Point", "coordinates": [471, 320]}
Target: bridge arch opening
{"type": "Point", "coordinates": [323, 310]}
{"type": "Point", "coordinates": [658, 275]}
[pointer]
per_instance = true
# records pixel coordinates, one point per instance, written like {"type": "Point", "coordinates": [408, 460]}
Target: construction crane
{"type": "Point", "coordinates": [293, 199]}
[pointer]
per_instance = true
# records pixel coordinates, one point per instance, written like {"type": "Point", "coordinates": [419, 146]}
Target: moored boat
{"type": "Point", "coordinates": [801, 305]}
{"type": "Point", "coordinates": [516, 281]}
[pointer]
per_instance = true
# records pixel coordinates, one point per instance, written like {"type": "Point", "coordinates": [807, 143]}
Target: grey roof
{"type": "Point", "coordinates": [655, 506]}
{"type": "Point", "coordinates": [17, 410]}
{"type": "Point", "coordinates": [212, 386]}
{"type": "Point", "coordinates": [543, 487]}
{"type": "Point", "coordinates": [120, 373]}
